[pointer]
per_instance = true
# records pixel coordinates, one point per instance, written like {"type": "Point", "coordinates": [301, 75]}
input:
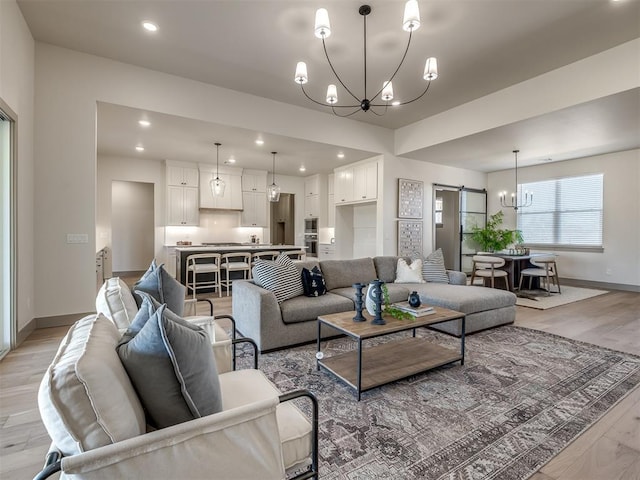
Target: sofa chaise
{"type": "Point", "coordinates": [275, 325]}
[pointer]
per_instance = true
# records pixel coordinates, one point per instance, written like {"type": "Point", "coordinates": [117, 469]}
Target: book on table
{"type": "Point", "coordinates": [420, 311]}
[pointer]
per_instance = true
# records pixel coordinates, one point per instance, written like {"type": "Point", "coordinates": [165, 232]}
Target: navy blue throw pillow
{"type": "Point", "coordinates": [313, 282]}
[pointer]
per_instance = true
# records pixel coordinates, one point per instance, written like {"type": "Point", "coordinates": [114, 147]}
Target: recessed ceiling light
{"type": "Point", "coordinates": [259, 142]}
{"type": "Point", "coordinates": [303, 169]}
{"type": "Point", "coordinates": [140, 148]}
{"type": "Point", "coordinates": [144, 123]}
{"type": "Point", "coordinates": [340, 155]}
{"type": "Point", "coordinates": [395, 104]}
{"type": "Point", "coordinates": [149, 26]}
{"type": "Point", "coordinates": [231, 160]}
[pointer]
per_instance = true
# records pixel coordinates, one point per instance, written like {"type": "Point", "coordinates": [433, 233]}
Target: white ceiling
{"type": "Point", "coordinates": [253, 46]}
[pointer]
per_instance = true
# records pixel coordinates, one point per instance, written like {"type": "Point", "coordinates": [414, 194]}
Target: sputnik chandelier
{"type": "Point", "coordinates": [410, 23]}
{"type": "Point", "coordinates": [514, 202]}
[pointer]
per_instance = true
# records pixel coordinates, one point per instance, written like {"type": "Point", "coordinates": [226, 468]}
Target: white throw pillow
{"type": "Point", "coordinates": [409, 273]}
{"type": "Point", "coordinates": [85, 398]}
{"type": "Point", "coordinates": [115, 301]}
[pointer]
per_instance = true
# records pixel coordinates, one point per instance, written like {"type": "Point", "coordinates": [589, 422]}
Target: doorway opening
{"type": "Point", "coordinates": [456, 210]}
{"type": "Point", "coordinates": [132, 226]}
{"type": "Point", "coordinates": [282, 220]}
{"type": "Point", "coordinates": [8, 244]}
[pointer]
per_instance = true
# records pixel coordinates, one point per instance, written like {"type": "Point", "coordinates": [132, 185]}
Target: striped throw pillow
{"type": "Point", "coordinates": [433, 268]}
{"type": "Point", "coordinates": [280, 277]}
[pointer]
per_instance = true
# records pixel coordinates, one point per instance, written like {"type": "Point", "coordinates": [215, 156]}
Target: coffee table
{"type": "Point", "coordinates": [367, 368]}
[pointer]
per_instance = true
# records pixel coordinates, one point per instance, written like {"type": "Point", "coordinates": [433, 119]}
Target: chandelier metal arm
{"type": "Point", "coordinates": [396, 71]}
{"type": "Point", "coordinates": [326, 104]}
{"type": "Point", "coordinates": [324, 46]}
{"type": "Point", "coordinates": [419, 96]}
{"type": "Point", "coordinates": [380, 114]}
{"type": "Point", "coordinates": [357, 109]}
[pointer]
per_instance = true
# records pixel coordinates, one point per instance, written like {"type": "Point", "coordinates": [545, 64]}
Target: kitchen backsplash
{"type": "Point", "coordinates": [219, 226]}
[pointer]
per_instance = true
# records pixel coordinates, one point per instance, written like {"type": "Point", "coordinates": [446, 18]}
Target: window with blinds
{"type": "Point", "coordinates": [566, 212]}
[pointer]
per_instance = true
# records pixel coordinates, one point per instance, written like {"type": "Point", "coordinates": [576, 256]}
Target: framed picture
{"type": "Point", "coordinates": [409, 238]}
{"type": "Point", "coordinates": [410, 198]}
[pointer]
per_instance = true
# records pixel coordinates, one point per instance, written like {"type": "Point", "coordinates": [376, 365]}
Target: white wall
{"type": "Point", "coordinates": [621, 214]}
{"type": "Point", "coordinates": [573, 84]}
{"type": "Point", "coordinates": [65, 151]}
{"type": "Point", "coordinates": [110, 169]}
{"type": "Point", "coordinates": [132, 226]}
{"type": "Point", "coordinates": [17, 53]}
{"type": "Point", "coordinates": [430, 173]}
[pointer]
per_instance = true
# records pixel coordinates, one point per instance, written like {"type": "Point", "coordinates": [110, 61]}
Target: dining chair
{"type": "Point", "coordinates": [545, 269]}
{"type": "Point", "coordinates": [299, 255]}
{"type": "Point", "coordinates": [487, 267]}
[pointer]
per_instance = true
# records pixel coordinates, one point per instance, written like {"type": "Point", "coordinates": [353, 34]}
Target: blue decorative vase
{"type": "Point", "coordinates": [414, 300]}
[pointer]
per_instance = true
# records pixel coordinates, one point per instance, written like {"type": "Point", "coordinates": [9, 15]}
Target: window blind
{"type": "Point", "coordinates": [565, 212]}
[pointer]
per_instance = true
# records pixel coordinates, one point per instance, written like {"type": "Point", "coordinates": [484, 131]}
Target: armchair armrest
{"type": "Point", "coordinates": [242, 442]}
{"type": "Point", "coordinates": [457, 278]}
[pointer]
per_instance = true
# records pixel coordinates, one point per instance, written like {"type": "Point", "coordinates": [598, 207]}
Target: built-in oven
{"type": "Point", "coordinates": [310, 225]}
{"type": "Point", "coordinates": [311, 242]}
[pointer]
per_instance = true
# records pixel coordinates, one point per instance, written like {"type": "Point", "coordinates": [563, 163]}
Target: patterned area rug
{"type": "Point", "coordinates": [520, 398]}
{"type": "Point", "coordinates": [540, 300]}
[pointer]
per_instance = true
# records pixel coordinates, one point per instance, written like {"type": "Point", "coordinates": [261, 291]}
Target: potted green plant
{"type": "Point", "coordinates": [492, 238]}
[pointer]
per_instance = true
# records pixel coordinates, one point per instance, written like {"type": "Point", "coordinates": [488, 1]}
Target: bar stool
{"type": "Point", "coordinates": [296, 255]}
{"type": "Point", "coordinates": [269, 255]}
{"type": "Point", "coordinates": [235, 262]}
{"type": "Point", "coordinates": [489, 267]}
{"type": "Point", "coordinates": [200, 264]}
{"type": "Point", "coordinates": [545, 269]}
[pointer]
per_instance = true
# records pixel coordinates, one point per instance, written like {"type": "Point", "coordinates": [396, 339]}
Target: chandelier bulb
{"type": "Point", "coordinates": [322, 28]}
{"type": "Point", "coordinates": [387, 92]}
{"type": "Point", "coordinates": [431, 69]}
{"type": "Point", "coordinates": [301, 73]}
{"type": "Point", "coordinates": [411, 20]}
{"type": "Point", "coordinates": [332, 94]}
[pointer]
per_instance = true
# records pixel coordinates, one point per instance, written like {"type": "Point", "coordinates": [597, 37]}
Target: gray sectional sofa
{"type": "Point", "coordinates": [259, 316]}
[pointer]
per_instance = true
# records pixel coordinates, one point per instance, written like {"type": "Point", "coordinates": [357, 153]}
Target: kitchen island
{"type": "Point", "coordinates": [183, 251]}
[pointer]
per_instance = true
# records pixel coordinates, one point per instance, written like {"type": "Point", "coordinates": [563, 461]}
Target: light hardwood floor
{"type": "Point", "coordinates": [609, 450]}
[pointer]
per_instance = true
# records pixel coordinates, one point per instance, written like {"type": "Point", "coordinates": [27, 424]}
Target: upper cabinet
{"type": "Point", "coordinates": [254, 181]}
{"type": "Point", "coordinates": [365, 181]}
{"type": "Point", "coordinates": [254, 199]}
{"type": "Point", "coordinates": [184, 176]}
{"type": "Point", "coordinates": [331, 207]}
{"type": "Point", "coordinates": [312, 185]}
{"type": "Point", "coordinates": [232, 198]}
{"type": "Point", "coordinates": [356, 183]}
{"type": "Point", "coordinates": [182, 194]}
{"type": "Point", "coordinates": [315, 197]}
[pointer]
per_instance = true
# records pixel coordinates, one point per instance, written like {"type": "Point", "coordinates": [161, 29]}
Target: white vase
{"type": "Point", "coordinates": [370, 300]}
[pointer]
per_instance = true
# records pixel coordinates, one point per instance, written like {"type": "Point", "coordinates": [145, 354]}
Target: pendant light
{"type": "Point", "coordinates": [273, 192]}
{"type": "Point", "coordinates": [515, 202]}
{"type": "Point", "coordinates": [217, 185]}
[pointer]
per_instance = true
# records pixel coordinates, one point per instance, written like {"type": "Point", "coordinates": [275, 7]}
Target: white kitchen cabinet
{"type": "Point", "coordinates": [330, 184]}
{"type": "Point", "coordinates": [312, 206]}
{"type": "Point", "coordinates": [358, 183]}
{"type": "Point", "coordinates": [365, 181]}
{"type": "Point", "coordinates": [254, 212]}
{"type": "Point", "coordinates": [182, 206]}
{"type": "Point", "coordinates": [327, 251]}
{"type": "Point", "coordinates": [312, 185]}
{"type": "Point", "coordinates": [331, 211]}
{"type": "Point", "coordinates": [344, 185]}
{"type": "Point", "coordinates": [254, 181]}
{"type": "Point", "coordinates": [232, 198]}
{"type": "Point", "coordinates": [182, 176]}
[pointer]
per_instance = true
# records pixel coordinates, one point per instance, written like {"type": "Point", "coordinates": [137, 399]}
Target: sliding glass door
{"type": "Point", "coordinates": [7, 250]}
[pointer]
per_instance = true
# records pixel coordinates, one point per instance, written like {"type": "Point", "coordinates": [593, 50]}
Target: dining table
{"type": "Point", "coordinates": [514, 264]}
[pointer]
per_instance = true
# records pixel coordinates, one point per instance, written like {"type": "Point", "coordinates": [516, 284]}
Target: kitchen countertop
{"type": "Point", "coordinates": [239, 248]}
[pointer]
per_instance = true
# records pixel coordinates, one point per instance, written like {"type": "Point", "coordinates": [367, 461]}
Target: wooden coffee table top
{"type": "Point", "coordinates": [343, 321]}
